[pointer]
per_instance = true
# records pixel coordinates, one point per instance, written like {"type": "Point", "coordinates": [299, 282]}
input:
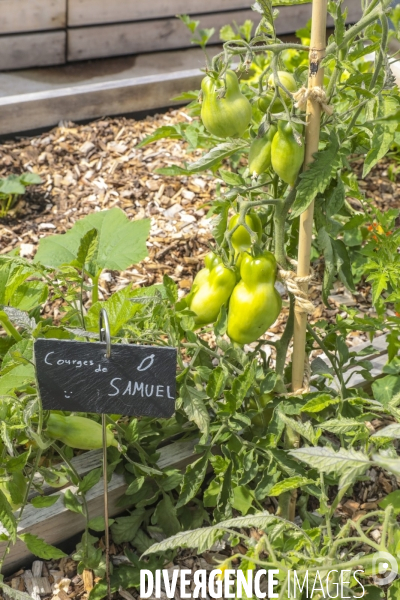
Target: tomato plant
{"type": "Point", "coordinates": [235, 401]}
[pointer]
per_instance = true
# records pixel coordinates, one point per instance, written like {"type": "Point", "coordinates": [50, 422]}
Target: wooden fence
{"type": "Point", "coordinates": [37, 33]}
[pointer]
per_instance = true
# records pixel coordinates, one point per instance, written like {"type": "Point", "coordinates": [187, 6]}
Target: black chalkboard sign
{"type": "Point", "coordinates": [78, 377]}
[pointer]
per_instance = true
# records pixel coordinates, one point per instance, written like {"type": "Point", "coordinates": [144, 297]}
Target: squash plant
{"type": "Point", "coordinates": [234, 401]}
{"type": "Point", "coordinates": [14, 186]}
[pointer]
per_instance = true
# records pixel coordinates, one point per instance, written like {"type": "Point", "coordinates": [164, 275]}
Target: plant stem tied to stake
{"type": "Point", "coordinates": [315, 79]}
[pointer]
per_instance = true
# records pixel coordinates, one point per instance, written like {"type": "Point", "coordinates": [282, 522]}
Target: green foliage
{"type": "Point", "coordinates": [233, 405]}
{"type": "Point", "coordinates": [14, 186]}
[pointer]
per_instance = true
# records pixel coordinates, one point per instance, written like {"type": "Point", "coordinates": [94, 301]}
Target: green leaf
{"type": "Point", "coordinates": [193, 479]}
{"type": "Point", "coordinates": [165, 516]}
{"type": "Point", "coordinates": [227, 34]}
{"type": "Point", "coordinates": [387, 390]}
{"type": "Point", "coordinates": [119, 307]}
{"type": "Point", "coordinates": [342, 426]}
{"type": "Point", "coordinates": [318, 175]}
{"type": "Point", "coordinates": [30, 179]}
{"type": "Point", "coordinates": [243, 498]}
{"type": "Point", "coordinates": [391, 431]}
{"type": "Point", "coordinates": [216, 383]}
{"type": "Point", "coordinates": [202, 539]}
{"type": "Point", "coordinates": [121, 242]}
{"type": "Point", "coordinates": [392, 499]}
{"type": "Point", "coordinates": [44, 501]}
{"type": "Point", "coordinates": [292, 483]}
{"type": "Point", "coordinates": [194, 407]}
{"type": "Point", "coordinates": [14, 594]}
{"type": "Point", "coordinates": [219, 222]}
{"type": "Point", "coordinates": [190, 23]}
{"type": "Point", "coordinates": [87, 248]}
{"type": "Point", "coordinates": [7, 518]}
{"type": "Point", "coordinates": [172, 171]}
{"type": "Point", "coordinates": [389, 464]}
{"type": "Point", "coordinates": [124, 529]}
{"type": "Point", "coordinates": [336, 198]}
{"type": "Point", "coordinates": [98, 523]}
{"type": "Point", "coordinates": [348, 463]}
{"type": "Point", "coordinates": [11, 185]}
{"type": "Point", "coordinates": [166, 131]}
{"type": "Point", "coordinates": [231, 178]}
{"type": "Point", "coordinates": [382, 139]}
{"type": "Point", "coordinates": [135, 486]}
{"type": "Point", "coordinates": [29, 295]}
{"type": "Point", "coordinates": [325, 244]}
{"type": "Point", "coordinates": [15, 374]}
{"type": "Point", "coordinates": [319, 403]}
{"type": "Point", "coordinates": [304, 429]}
{"type": "Point", "coordinates": [17, 463]}
{"type": "Point", "coordinates": [40, 548]}
{"type": "Point", "coordinates": [72, 503]}
{"type": "Point", "coordinates": [90, 480]}
{"type": "Point", "coordinates": [343, 264]}
{"type": "Point", "coordinates": [216, 155]}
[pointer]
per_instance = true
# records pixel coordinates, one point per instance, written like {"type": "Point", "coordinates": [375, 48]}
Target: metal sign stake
{"type": "Point", "coordinates": [104, 327]}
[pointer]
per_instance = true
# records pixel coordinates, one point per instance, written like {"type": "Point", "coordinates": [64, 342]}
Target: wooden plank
{"type": "Point", "coordinates": [32, 50]}
{"type": "Point", "coordinates": [91, 12]}
{"type": "Point", "coordinates": [165, 34]}
{"type": "Point", "coordinates": [32, 15]}
{"type": "Point", "coordinates": [57, 524]}
{"type": "Point", "coordinates": [44, 109]}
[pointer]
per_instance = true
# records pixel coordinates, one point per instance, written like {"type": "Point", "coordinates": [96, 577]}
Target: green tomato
{"type": "Point", "coordinates": [228, 115]}
{"type": "Point", "coordinates": [241, 239]}
{"type": "Point", "coordinates": [264, 103]}
{"type": "Point", "coordinates": [211, 289]}
{"type": "Point", "coordinates": [287, 156]}
{"type": "Point", "coordinates": [260, 152]}
{"type": "Point", "coordinates": [255, 303]}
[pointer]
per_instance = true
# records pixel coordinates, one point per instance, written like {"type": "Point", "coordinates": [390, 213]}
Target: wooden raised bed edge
{"type": "Point", "coordinates": [56, 524]}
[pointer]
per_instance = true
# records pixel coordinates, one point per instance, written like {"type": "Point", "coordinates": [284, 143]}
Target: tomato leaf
{"type": "Point", "coordinates": [318, 175]}
{"type": "Point", "coordinates": [40, 548]}
{"type": "Point", "coordinates": [7, 518]}
{"type": "Point", "coordinates": [192, 480]}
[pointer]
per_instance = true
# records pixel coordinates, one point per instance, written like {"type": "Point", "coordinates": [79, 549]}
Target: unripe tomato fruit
{"type": "Point", "coordinates": [228, 115]}
{"type": "Point", "coordinates": [288, 81]}
{"type": "Point", "coordinates": [260, 152]}
{"type": "Point", "coordinates": [287, 156]}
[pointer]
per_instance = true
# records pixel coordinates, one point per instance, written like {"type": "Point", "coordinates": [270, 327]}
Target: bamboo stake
{"type": "Point", "coordinates": [315, 78]}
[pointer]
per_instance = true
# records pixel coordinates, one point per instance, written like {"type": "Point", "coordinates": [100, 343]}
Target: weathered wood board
{"type": "Point", "coordinates": [165, 34]}
{"type": "Point", "coordinates": [32, 50]}
{"type": "Point", "coordinates": [57, 524]}
{"type": "Point", "coordinates": [32, 15]}
{"type": "Point", "coordinates": [90, 101]}
{"type": "Point", "coordinates": [90, 12]}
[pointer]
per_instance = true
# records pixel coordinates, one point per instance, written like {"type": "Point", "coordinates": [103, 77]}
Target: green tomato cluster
{"type": "Point", "coordinates": [254, 303]}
